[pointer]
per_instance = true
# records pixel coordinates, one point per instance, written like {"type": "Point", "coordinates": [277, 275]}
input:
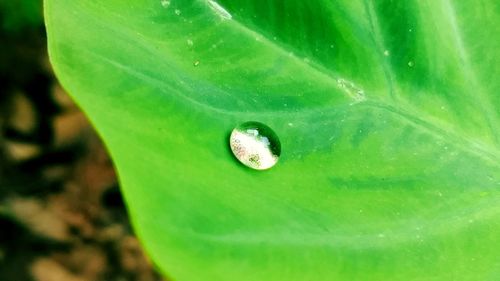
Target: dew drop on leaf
{"type": "Point", "coordinates": [165, 3]}
{"type": "Point", "coordinates": [255, 145]}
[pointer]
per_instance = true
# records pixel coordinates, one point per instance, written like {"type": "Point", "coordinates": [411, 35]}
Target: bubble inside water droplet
{"type": "Point", "coordinates": [411, 63]}
{"type": "Point", "coordinates": [255, 145]}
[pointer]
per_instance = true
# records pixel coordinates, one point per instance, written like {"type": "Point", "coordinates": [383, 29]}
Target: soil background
{"type": "Point", "coordinates": [62, 217]}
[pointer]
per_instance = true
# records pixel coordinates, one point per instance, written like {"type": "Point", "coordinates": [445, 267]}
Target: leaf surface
{"type": "Point", "coordinates": [387, 113]}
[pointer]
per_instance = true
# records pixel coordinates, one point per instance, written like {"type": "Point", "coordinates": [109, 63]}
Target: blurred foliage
{"type": "Point", "coordinates": [22, 48]}
{"type": "Point", "coordinates": [16, 15]}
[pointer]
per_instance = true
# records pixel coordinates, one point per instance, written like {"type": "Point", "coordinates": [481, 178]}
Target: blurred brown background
{"type": "Point", "coordinates": [62, 216]}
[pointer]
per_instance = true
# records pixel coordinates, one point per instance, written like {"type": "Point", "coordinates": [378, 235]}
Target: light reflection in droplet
{"type": "Point", "coordinates": [255, 145]}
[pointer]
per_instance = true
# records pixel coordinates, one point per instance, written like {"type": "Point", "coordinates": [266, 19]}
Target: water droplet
{"type": "Point", "coordinates": [165, 3]}
{"type": "Point", "coordinates": [190, 42]}
{"type": "Point", "coordinates": [217, 8]}
{"type": "Point", "coordinates": [255, 145]}
{"type": "Point", "coordinates": [386, 53]}
{"type": "Point", "coordinates": [196, 63]}
{"type": "Point", "coordinates": [411, 64]}
{"type": "Point", "coordinates": [177, 12]}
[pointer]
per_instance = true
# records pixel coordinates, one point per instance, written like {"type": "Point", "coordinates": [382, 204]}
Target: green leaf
{"type": "Point", "coordinates": [387, 113]}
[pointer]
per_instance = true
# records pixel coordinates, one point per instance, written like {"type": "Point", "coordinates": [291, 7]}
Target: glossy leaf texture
{"type": "Point", "coordinates": [387, 113]}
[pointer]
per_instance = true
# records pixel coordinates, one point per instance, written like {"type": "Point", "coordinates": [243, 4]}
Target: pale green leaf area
{"type": "Point", "coordinates": [387, 112]}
